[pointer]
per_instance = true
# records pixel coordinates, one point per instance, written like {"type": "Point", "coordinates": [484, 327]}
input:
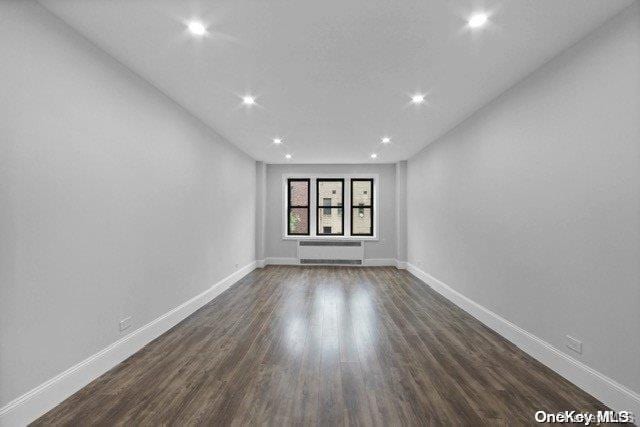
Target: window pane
{"type": "Point", "coordinates": [298, 221]}
{"type": "Point", "coordinates": [299, 191]}
{"type": "Point", "coordinates": [330, 191]}
{"type": "Point", "coordinates": [361, 193]}
{"type": "Point", "coordinates": [361, 221]}
{"type": "Point", "coordinates": [326, 202]}
{"type": "Point", "coordinates": [330, 221]}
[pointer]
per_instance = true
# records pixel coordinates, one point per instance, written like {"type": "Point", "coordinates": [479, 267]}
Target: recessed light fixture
{"type": "Point", "coordinates": [248, 100]}
{"type": "Point", "coordinates": [287, 156]}
{"type": "Point", "coordinates": [374, 155]}
{"type": "Point", "coordinates": [418, 98]}
{"type": "Point", "coordinates": [477, 20]}
{"type": "Point", "coordinates": [386, 140]}
{"type": "Point", "coordinates": [197, 28]}
{"type": "Point", "coordinates": [277, 141]}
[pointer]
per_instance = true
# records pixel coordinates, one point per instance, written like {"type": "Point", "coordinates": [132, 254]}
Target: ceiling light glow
{"type": "Point", "coordinates": [477, 20]}
{"type": "Point", "coordinates": [418, 98]}
{"type": "Point", "coordinates": [277, 141]}
{"type": "Point", "coordinates": [287, 156]}
{"type": "Point", "coordinates": [374, 155]}
{"type": "Point", "coordinates": [248, 100]}
{"type": "Point", "coordinates": [386, 140]}
{"type": "Point", "coordinates": [197, 28]}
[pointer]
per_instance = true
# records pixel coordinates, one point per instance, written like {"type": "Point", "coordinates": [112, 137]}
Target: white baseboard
{"type": "Point", "coordinates": [401, 265]}
{"type": "Point", "coordinates": [281, 261]}
{"type": "Point", "coordinates": [38, 401]}
{"type": "Point", "coordinates": [261, 263]}
{"type": "Point", "coordinates": [608, 391]}
{"type": "Point", "coordinates": [379, 262]}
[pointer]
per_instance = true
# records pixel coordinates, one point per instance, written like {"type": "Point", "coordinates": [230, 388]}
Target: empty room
{"type": "Point", "coordinates": [338, 212]}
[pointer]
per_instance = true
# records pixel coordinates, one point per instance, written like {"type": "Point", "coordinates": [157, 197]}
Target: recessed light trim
{"type": "Point", "coordinates": [418, 98]}
{"type": "Point", "coordinates": [277, 141]}
{"type": "Point", "coordinates": [248, 100]}
{"type": "Point", "coordinates": [385, 140]}
{"type": "Point", "coordinates": [374, 156]}
{"type": "Point", "coordinates": [477, 20]}
{"type": "Point", "coordinates": [197, 28]}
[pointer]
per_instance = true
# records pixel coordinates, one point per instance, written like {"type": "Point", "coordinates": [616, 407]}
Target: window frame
{"type": "Point", "coordinates": [302, 174]}
{"type": "Point", "coordinates": [289, 206]}
{"type": "Point", "coordinates": [370, 206]}
{"type": "Point", "coordinates": [323, 206]}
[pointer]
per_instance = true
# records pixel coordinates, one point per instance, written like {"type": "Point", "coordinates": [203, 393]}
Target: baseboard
{"type": "Point", "coordinates": [47, 395]}
{"type": "Point", "coordinates": [261, 263]}
{"type": "Point", "coordinates": [379, 262]}
{"type": "Point", "coordinates": [281, 261]}
{"type": "Point", "coordinates": [401, 265]}
{"type": "Point", "coordinates": [607, 390]}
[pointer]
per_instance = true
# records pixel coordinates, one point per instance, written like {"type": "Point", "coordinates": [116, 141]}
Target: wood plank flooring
{"type": "Point", "coordinates": [325, 345]}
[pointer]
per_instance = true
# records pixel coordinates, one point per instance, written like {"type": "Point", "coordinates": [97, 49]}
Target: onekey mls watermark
{"type": "Point", "coordinates": [585, 418]}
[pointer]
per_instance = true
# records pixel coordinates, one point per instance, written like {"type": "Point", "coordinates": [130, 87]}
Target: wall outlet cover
{"type": "Point", "coordinates": [125, 323]}
{"type": "Point", "coordinates": [574, 344]}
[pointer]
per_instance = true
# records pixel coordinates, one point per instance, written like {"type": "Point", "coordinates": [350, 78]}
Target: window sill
{"type": "Point", "coordinates": [364, 238]}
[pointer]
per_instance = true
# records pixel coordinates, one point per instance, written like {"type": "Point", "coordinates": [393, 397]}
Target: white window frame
{"type": "Point", "coordinates": [346, 209]}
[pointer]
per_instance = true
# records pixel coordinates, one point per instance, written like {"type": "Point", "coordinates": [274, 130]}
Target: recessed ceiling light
{"type": "Point", "coordinates": [287, 156]}
{"type": "Point", "coordinates": [277, 141]}
{"type": "Point", "coordinates": [386, 140]}
{"type": "Point", "coordinates": [374, 155]}
{"type": "Point", "coordinates": [418, 98]}
{"type": "Point", "coordinates": [248, 100]}
{"type": "Point", "coordinates": [477, 20]}
{"type": "Point", "coordinates": [197, 28]}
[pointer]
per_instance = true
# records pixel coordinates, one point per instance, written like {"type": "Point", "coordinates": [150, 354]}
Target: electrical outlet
{"type": "Point", "coordinates": [574, 344]}
{"type": "Point", "coordinates": [125, 323]}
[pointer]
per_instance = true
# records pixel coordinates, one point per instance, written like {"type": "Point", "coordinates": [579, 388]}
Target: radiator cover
{"type": "Point", "coordinates": [331, 252]}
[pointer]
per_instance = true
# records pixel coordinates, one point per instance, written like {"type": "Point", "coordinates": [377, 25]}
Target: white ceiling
{"type": "Point", "coordinates": [332, 77]}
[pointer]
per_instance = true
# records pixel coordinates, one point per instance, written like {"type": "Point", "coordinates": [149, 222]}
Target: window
{"type": "Point", "coordinates": [362, 207]}
{"type": "Point", "coordinates": [340, 206]}
{"type": "Point", "coordinates": [298, 206]}
{"type": "Point", "coordinates": [330, 217]}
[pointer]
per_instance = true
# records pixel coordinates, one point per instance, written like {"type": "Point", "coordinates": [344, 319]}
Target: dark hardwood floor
{"type": "Point", "coordinates": [325, 345]}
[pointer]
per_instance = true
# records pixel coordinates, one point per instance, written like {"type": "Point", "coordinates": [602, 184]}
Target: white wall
{"type": "Point", "coordinates": [384, 248]}
{"type": "Point", "coordinates": [531, 207]}
{"type": "Point", "coordinates": [114, 201]}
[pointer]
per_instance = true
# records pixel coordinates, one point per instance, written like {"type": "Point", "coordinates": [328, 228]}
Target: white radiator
{"type": "Point", "coordinates": [330, 252]}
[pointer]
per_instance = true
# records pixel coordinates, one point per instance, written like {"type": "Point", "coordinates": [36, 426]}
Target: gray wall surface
{"type": "Point", "coordinates": [531, 207]}
{"type": "Point", "coordinates": [261, 203]}
{"type": "Point", "coordinates": [114, 201]}
{"type": "Point", "coordinates": [401, 211]}
{"type": "Point", "coordinates": [385, 248]}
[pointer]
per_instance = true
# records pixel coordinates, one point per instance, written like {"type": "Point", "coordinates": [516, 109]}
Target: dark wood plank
{"type": "Point", "coordinates": [325, 345]}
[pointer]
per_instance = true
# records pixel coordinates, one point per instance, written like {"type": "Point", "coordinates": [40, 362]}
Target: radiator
{"type": "Point", "coordinates": [330, 252]}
